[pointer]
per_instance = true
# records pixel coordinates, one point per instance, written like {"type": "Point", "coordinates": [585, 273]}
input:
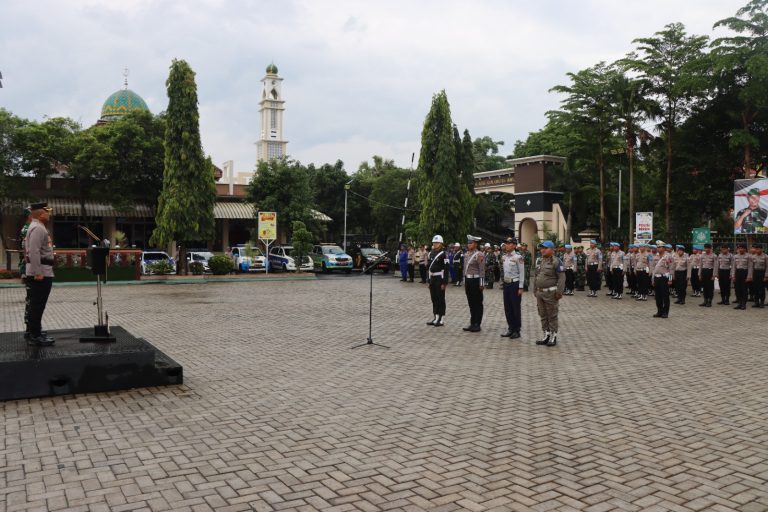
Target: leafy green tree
{"type": "Point", "coordinates": [386, 201]}
{"type": "Point", "coordinates": [301, 242]}
{"type": "Point", "coordinates": [10, 155]}
{"type": "Point", "coordinates": [328, 185]}
{"type": "Point", "coordinates": [467, 163]}
{"type": "Point", "coordinates": [284, 186]}
{"type": "Point", "coordinates": [486, 155]}
{"type": "Point", "coordinates": [743, 59]}
{"type": "Point", "coordinates": [589, 108]}
{"type": "Point", "coordinates": [674, 65]}
{"type": "Point", "coordinates": [185, 205]}
{"type": "Point", "coordinates": [632, 108]}
{"type": "Point", "coordinates": [442, 194]}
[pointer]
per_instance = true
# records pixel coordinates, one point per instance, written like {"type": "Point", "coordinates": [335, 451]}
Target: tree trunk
{"type": "Point", "coordinates": [667, 197]}
{"type": "Point", "coordinates": [601, 169]}
{"type": "Point", "coordinates": [631, 156]}
{"type": "Point", "coordinates": [568, 219]}
{"type": "Point", "coordinates": [747, 147]}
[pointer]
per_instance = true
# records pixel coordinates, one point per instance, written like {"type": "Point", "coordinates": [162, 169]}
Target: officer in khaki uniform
{"type": "Point", "coordinates": [662, 275]}
{"type": "Point", "coordinates": [594, 264]}
{"type": "Point", "coordinates": [759, 264]}
{"type": "Point", "coordinates": [682, 272]}
{"type": "Point", "coordinates": [38, 250]}
{"type": "Point", "coordinates": [474, 282]}
{"type": "Point", "coordinates": [707, 260]}
{"type": "Point", "coordinates": [741, 274]}
{"type": "Point", "coordinates": [723, 265]}
{"type": "Point", "coordinates": [548, 284]}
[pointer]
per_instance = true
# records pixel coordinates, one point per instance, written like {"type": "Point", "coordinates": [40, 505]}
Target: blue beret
{"type": "Point", "coordinates": [698, 247]}
{"type": "Point", "coordinates": [549, 244]}
{"type": "Point", "coordinates": [614, 244]}
{"type": "Point", "coordinates": [593, 242]}
{"type": "Point", "coordinates": [679, 246]}
{"type": "Point", "coordinates": [668, 246]}
{"type": "Point", "coordinates": [568, 246]}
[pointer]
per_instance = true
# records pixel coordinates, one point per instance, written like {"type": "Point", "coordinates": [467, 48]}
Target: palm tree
{"type": "Point", "coordinates": [632, 106]}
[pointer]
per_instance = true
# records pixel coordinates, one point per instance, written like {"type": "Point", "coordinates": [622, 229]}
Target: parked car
{"type": "Point", "coordinates": [282, 258]}
{"type": "Point", "coordinates": [248, 259]}
{"type": "Point", "coordinates": [327, 257]}
{"type": "Point", "coordinates": [200, 257]}
{"type": "Point", "coordinates": [150, 257]}
{"type": "Point", "coordinates": [364, 256]}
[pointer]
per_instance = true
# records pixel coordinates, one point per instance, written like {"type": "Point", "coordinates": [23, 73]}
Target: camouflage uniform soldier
{"type": "Point", "coordinates": [490, 266]}
{"type": "Point", "coordinates": [581, 269]}
{"type": "Point", "coordinates": [527, 260]}
{"type": "Point", "coordinates": [548, 286]}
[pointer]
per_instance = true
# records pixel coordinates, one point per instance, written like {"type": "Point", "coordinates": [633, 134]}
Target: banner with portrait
{"type": "Point", "coordinates": [750, 206]}
{"type": "Point", "coordinates": [643, 226]}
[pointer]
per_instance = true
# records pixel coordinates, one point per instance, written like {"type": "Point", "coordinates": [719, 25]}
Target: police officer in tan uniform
{"type": "Point", "coordinates": [707, 272]}
{"type": "Point", "coordinates": [741, 274]}
{"type": "Point", "coordinates": [759, 264]}
{"type": "Point", "coordinates": [662, 274]}
{"type": "Point", "coordinates": [682, 273]}
{"type": "Point", "coordinates": [474, 282]}
{"type": "Point", "coordinates": [723, 265]}
{"type": "Point", "coordinates": [548, 286]}
{"type": "Point", "coordinates": [594, 267]}
{"type": "Point", "coordinates": [39, 272]}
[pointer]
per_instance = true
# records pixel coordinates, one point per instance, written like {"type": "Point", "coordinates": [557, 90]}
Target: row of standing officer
{"type": "Point", "coordinates": [548, 285]}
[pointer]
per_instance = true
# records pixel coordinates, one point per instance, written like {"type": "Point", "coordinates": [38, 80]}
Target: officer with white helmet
{"type": "Point", "coordinates": [437, 270]}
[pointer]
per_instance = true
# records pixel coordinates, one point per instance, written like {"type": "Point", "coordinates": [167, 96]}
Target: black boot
{"type": "Point", "coordinates": [440, 321]}
{"type": "Point", "coordinates": [552, 340]}
{"type": "Point", "coordinates": [433, 320]}
{"type": "Point", "coordinates": [545, 339]}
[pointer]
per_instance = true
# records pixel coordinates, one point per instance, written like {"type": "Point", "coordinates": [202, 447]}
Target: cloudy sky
{"type": "Point", "coordinates": [359, 75]}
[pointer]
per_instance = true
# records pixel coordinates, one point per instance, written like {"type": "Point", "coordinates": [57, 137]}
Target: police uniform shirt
{"type": "Point", "coordinates": [695, 261]}
{"type": "Point", "coordinates": [569, 260]}
{"type": "Point", "coordinates": [681, 264]}
{"type": "Point", "coordinates": [513, 268]}
{"type": "Point", "coordinates": [664, 266]}
{"type": "Point", "coordinates": [473, 265]}
{"type": "Point", "coordinates": [742, 262]}
{"type": "Point", "coordinates": [438, 261]}
{"type": "Point", "coordinates": [617, 260]}
{"type": "Point", "coordinates": [641, 262]}
{"type": "Point", "coordinates": [549, 273]}
{"type": "Point", "coordinates": [39, 250]}
{"type": "Point", "coordinates": [759, 261]}
{"type": "Point", "coordinates": [594, 257]}
{"type": "Point", "coordinates": [723, 262]}
{"type": "Point", "coordinates": [628, 261]}
{"type": "Point", "coordinates": [707, 261]}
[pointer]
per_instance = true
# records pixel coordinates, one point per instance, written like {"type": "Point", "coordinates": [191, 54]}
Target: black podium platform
{"type": "Point", "coordinates": [71, 366]}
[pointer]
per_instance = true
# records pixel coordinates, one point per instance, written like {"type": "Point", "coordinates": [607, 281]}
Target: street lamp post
{"type": "Point", "coordinates": [346, 190]}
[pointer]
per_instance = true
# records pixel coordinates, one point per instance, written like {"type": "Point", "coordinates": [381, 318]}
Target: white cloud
{"type": "Point", "coordinates": [359, 76]}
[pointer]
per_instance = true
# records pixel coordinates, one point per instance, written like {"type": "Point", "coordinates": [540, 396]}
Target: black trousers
{"type": "Point", "coordinates": [437, 294]}
{"type": "Point", "coordinates": [724, 276]}
{"type": "Point", "coordinates": [570, 279]}
{"type": "Point", "coordinates": [617, 281]}
{"type": "Point", "coordinates": [632, 281]}
{"type": "Point", "coordinates": [410, 271]}
{"type": "Point", "coordinates": [758, 286]}
{"type": "Point", "coordinates": [459, 273]}
{"type": "Point", "coordinates": [661, 285]}
{"type": "Point", "coordinates": [643, 282]}
{"type": "Point", "coordinates": [512, 310]}
{"type": "Point", "coordinates": [707, 283]}
{"type": "Point", "coordinates": [681, 284]}
{"type": "Point", "coordinates": [423, 273]}
{"type": "Point", "coordinates": [695, 281]}
{"type": "Point", "coordinates": [609, 279]}
{"type": "Point", "coordinates": [593, 278]}
{"type": "Point", "coordinates": [38, 299]}
{"type": "Point", "coordinates": [474, 299]}
{"type": "Point", "coordinates": [27, 304]}
{"type": "Point", "coordinates": [740, 283]}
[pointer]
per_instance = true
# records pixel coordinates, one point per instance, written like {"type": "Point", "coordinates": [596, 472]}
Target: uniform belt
{"type": "Point", "coordinates": [433, 274]}
{"type": "Point", "coordinates": [660, 275]}
{"type": "Point", "coordinates": [511, 280]}
{"type": "Point", "coordinates": [472, 276]}
{"type": "Point", "coordinates": [695, 268]}
{"type": "Point", "coordinates": [550, 289]}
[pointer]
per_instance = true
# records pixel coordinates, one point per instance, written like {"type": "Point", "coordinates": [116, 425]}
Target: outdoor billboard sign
{"type": "Point", "coordinates": [750, 206]}
{"type": "Point", "coordinates": [268, 225]}
{"type": "Point", "coordinates": [643, 226]}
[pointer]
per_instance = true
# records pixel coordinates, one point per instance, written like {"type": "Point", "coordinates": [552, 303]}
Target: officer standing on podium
{"type": "Point", "coordinates": [39, 271]}
{"type": "Point", "coordinates": [474, 282]}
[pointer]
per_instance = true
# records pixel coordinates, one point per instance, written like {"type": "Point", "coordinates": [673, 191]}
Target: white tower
{"type": "Point", "coordinates": [271, 107]}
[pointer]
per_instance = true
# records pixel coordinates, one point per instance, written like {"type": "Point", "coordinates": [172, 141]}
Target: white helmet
{"type": "Point", "coordinates": [437, 238]}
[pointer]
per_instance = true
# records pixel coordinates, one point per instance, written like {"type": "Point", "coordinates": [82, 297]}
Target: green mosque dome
{"type": "Point", "coordinates": [272, 69]}
{"type": "Point", "coordinates": [121, 103]}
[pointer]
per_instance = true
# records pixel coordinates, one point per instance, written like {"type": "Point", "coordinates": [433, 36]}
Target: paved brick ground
{"type": "Point", "coordinates": [628, 413]}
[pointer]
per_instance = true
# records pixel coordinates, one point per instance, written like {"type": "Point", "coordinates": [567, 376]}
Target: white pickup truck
{"type": "Point", "coordinates": [248, 259]}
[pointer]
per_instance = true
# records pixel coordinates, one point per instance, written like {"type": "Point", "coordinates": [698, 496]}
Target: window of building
{"type": "Point", "coordinates": [273, 119]}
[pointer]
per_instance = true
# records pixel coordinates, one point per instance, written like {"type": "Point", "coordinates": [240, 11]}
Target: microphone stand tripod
{"type": "Point", "coordinates": [370, 305]}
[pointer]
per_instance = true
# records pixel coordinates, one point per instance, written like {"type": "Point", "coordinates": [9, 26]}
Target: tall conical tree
{"type": "Point", "coordinates": [185, 206]}
{"type": "Point", "coordinates": [441, 190]}
{"type": "Point", "coordinates": [468, 165]}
